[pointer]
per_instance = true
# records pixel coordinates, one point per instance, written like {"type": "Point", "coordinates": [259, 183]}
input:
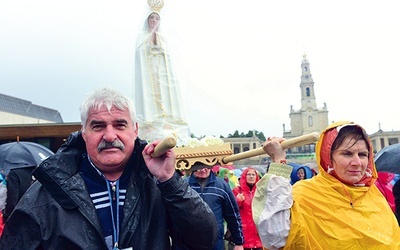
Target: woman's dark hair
{"type": "Point", "coordinates": [354, 132]}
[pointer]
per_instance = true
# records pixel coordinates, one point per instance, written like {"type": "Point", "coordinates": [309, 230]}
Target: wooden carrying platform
{"type": "Point", "coordinates": [213, 155]}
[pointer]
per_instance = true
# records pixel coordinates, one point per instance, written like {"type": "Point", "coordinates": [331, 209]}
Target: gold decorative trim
{"type": "Point", "coordinates": [187, 156]}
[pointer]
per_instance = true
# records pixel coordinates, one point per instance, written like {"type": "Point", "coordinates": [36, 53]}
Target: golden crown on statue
{"type": "Point", "coordinates": [155, 5]}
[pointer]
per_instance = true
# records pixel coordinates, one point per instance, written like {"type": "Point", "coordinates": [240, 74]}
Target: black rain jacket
{"type": "Point", "coordinates": [57, 212]}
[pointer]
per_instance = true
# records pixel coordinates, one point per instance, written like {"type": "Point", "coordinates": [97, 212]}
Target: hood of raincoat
{"type": "Point", "coordinates": [293, 176]}
{"type": "Point", "coordinates": [243, 181]}
{"type": "Point", "coordinates": [323, 153]}
{"type": "Point", "coordinates": [383, 184]}
{"type": "Point", "coordinates": [385, 177]}
{"type": "Point", "coordinates": [224, 174]}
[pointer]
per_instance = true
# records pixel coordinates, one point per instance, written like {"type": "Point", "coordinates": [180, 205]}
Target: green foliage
{"type": "Point", "coordinates": [235, 135]}
{"type": "Point", "coordinates": [259, 135]}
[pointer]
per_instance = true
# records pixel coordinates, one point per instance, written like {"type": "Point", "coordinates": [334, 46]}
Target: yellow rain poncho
{"type": "Point", "coordinates": [322, 212]}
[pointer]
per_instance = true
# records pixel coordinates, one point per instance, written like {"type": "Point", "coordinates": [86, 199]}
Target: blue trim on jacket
{"type": "Point", "coordinates": [219, 196]}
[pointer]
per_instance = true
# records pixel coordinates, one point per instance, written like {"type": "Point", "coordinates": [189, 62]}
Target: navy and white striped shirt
{"type": "Point", "coordinates": [100, 191]}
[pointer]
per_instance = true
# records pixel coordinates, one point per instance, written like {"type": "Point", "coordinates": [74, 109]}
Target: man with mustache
{"type": "Point", "coordinates": [104, 190]}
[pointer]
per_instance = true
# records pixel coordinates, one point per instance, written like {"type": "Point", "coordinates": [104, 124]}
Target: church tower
{"type": "Point", "coordinates": [307, 86]}
{"type": "Point", "coordinates": [308, 118]}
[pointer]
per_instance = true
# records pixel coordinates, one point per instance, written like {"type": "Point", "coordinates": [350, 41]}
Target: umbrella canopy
{"type": "Point", "coordinates": [21, 154]}
{"type": "Point", "coordinates": [388, 159]}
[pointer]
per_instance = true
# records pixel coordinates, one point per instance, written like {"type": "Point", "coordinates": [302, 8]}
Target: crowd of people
{"type": "Point", "coordinates": [103, 189]}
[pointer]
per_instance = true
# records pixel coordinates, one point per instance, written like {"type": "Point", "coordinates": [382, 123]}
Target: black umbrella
{"type": "Point", "coordinates": [388, 159]}
{"type": "Point", "coordinates": [21, 154]}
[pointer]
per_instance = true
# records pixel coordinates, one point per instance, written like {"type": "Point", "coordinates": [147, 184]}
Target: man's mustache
{"type": "Point", "coordinates": [114, 144]}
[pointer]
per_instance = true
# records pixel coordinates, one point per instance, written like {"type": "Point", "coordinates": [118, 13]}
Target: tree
{"type": "Point", "coordinates": [235, 135]}
{"type": "Point", "coordinates": [259, 135]}
{"type": "Point", "coordinates": [250, 133]}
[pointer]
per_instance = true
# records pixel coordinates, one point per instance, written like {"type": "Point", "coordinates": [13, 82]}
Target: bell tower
{"type": "Point", "coordinates": [309, 118]}
{"type": "Point", "coordinates": [308, 102]}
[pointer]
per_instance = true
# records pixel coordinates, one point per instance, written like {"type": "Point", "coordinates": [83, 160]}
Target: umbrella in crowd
{"type": "Point", "coordinates": [388, 159]}
{"type": "Point", "coordinates": [21, 154]}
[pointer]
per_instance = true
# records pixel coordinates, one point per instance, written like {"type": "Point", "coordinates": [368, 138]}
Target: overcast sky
{"type": "Point", "coordinates": [239, 60]}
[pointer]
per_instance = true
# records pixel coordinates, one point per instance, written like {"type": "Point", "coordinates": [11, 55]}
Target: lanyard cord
{"type": "Point", "coordinates": [113, 194]}
{"type": "Point", "coordinates": [113, 188]}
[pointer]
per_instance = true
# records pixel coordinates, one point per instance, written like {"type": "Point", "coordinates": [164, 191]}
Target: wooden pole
{"type": "Point", "coordinates": [290, 143]}
{"type": "Point", "coordinates": [167, 143]}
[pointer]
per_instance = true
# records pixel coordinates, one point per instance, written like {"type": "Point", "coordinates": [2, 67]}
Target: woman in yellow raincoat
{"type": "Point", "coordinates": [339, 208]}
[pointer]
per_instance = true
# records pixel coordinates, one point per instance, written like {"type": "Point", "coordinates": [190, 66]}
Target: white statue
{"type": "Point", "coordinates": [157, 93]}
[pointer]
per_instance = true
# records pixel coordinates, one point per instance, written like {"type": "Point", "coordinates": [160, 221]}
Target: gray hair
{"type": "Point", "coordinates": [105, 97]}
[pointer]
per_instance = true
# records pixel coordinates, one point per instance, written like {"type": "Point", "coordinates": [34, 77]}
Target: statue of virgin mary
{"type": "Point", "coordinates": [158, 101]}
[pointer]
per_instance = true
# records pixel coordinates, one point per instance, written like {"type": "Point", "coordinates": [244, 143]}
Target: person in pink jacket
{"type": "Point", "coordinates": [244, 194]}
{"type": "Point", "coordinates": [383, 184]}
